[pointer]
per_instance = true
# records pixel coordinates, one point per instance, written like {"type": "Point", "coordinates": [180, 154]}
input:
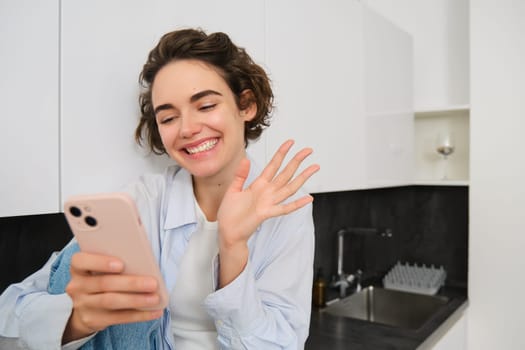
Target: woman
{"type": "Point", "coordinates": [235, 245]}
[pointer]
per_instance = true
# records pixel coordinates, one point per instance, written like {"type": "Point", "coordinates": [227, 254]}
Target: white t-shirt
{"type": "Point", "coordinates": [192, 327]}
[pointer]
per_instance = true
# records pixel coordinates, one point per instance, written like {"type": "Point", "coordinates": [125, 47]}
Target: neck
{"type": "Point", "coordinates": [209, 196]}
{"type": "Point", "coordinates": [209, 191]}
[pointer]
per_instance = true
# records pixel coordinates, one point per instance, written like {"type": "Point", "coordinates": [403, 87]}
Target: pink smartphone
{"type": "Point", "coordinates": [109, 224]}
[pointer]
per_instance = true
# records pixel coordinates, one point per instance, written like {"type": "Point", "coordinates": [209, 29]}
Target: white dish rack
{"type": "Point", "coordinates": [415, 279]}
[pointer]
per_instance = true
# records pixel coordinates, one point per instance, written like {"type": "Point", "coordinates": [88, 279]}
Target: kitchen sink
{"type": "Point", "coordinates": [389, 307]}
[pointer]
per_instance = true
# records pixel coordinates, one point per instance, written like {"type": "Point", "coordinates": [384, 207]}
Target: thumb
{"type": "Point", "coordinates": [240, 175]}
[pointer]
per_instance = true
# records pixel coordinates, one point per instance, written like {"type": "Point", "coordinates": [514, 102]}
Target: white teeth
{"type": "Point", "coordinates": [205, 146]}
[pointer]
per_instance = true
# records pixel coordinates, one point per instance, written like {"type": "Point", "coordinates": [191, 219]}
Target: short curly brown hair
{"type": "Point", "coordinates": [233, 63]}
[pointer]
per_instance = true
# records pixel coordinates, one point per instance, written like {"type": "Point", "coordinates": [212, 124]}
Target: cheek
{"type": "Point", "coordinates": [241, 123]}
{"type": "Point", "coordinates": [238, 126]}
{"type": "Point", "coordinates": [166, 136]}
{"type": "Point", "coordinates": [215, 119]}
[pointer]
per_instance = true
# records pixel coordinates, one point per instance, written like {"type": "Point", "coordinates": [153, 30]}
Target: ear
{"type": "Point", "coordinates": [248, 105]}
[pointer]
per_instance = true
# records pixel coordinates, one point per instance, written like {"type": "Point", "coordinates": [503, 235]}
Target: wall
{"type": "Point", "coordinates": [429, 224]}
{"type": "Point", "coordinates": [496, 319]}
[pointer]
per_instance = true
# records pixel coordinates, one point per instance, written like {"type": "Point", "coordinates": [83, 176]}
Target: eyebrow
{"type": "Point", "coordinates": [193, 98]}
{"type": "Point", "coordinates": [202, 94]}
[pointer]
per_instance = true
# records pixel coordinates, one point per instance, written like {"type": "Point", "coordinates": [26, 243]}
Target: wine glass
{"type": "Point", "coordinates": [445, 147]}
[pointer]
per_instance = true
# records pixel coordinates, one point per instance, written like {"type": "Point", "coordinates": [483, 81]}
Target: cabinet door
{"type": "Point", "coordinates": [104, 47]}
{"type": "Point", "coordinates": [29, 38]}
{"type": "Point", "coordinates": [440, 30]}
{"type": "Point", "coordinates": [455, 338]}
{"type": "Point", "coordinates": [314, 55]}
{"type": "Point", "coordinates": [389, 100]}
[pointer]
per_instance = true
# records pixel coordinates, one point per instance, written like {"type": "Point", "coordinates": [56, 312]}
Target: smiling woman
{"type": "Point", "coordinates": [232, 63]}
{"type": "Point", "coordinates": [235, 243]}
{"type": "Point", "coordinates": [198, 120]}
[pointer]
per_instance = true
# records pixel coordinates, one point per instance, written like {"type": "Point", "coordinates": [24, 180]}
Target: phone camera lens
{"type": "Point", "coordinates": [75, 211]}
{"type": "Point", "coordinates": [91, 221]}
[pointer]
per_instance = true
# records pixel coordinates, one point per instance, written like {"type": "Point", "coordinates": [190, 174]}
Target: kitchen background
{"type": "Point", "coordinates": [429, 226]}
{"type": "Point", "coordinates": [456, 44]}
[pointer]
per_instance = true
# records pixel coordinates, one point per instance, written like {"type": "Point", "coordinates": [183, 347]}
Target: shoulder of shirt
{"type": "Point", "coordinates": [293, 227]}
{"type": "Point", "coordinates": [152, 185]}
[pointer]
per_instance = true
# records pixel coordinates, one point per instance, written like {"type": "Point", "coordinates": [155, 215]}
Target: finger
{"type": "Point", "coordinates": [132, 316]}
{"type": "Point", "coordinates": [124, 301]}
{"type": "Point", "coordinates": [292, 187]}
{"type": "Point", "coordinates": [287, 208]}
{"type": "Point", "coordinates": [125, 283]}
{"type": "Point", "coordinates": [292, 166]}
{"type": "Point", "coordinates": [101, 319]}
{"type": "Point", "coordinates": [240, 176]}
{"type": "Point", "coordinates": [85, 263]}
{"type": "Point", "coordinates": [112, 283]}
{"type": "Point", "coordinates": [273, 166]}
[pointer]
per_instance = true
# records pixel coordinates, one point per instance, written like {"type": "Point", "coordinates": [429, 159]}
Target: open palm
{"type": "Point", "coordinates": [243, 210]}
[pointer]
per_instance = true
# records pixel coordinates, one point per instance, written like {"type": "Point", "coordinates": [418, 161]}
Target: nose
{"type": "Point", "coordinates": [189, 126]}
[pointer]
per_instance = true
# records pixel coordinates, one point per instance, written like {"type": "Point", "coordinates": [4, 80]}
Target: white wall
{"type": "Point", "coordinates": [497, 191]}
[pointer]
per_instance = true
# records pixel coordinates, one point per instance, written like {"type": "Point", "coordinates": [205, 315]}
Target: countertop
{"type": "Point", "coordinates": [334, 332]}
{"type": "Point", "coordinates": [337, 333]}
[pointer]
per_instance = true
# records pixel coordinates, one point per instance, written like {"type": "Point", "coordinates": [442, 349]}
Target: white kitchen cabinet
{"type": "Point", "coordinates": [440, 30]}
{"type": "Point", "coordinates": [348, 105]}
{"type": "Point", "coordinates": [332, 92]}
{"type": "Point", "coordinates": [388, 69]}
{"type": "Point", "coordinates": [343, 84]}
{"type": "Point", "coordinates": [29, 90]}
{"type": "Point", "coordinates": [455, 337]}
{"type": "Point", "coordinates": [104, 45]}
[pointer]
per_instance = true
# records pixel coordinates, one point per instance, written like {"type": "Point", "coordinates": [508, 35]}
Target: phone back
{"type": "Point", "coordinates": [109, 224]}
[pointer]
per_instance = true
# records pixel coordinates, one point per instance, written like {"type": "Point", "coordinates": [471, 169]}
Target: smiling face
{"type": "Point", "coordinates": [199, 122]}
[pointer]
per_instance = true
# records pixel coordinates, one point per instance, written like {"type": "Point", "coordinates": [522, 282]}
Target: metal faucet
{"type": "Point", "coordinates": [343, 281]}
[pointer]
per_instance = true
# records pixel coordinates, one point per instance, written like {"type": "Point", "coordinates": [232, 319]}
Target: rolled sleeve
{"type": "Point", "coordinates": [268, 305]}
{"type": "Point", "coordinates": [42, 320]}
{"type": "Point", "coordinates": [31, 314]}
{"type": "Point", "coordinates": [236, 306]}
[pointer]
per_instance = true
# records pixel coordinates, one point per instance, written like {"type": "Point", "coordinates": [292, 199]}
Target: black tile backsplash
{"type": "Point", "coordinates": [429, 224]}
{"type": "Point", "coordinates": [26, 243]}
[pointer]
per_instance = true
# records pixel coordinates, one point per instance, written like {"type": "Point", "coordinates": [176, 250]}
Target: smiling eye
{"type": "Point", "coordinates": [207, 107]}
{"type": "Point", "coordinates": [167, 120]}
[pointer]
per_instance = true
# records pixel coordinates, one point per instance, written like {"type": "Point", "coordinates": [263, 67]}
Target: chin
{"type": "Point", "coordinates": [202, 171]}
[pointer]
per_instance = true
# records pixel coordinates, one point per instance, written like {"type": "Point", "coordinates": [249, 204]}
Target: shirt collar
{"type": "Point", "coordinates": [180, 209]}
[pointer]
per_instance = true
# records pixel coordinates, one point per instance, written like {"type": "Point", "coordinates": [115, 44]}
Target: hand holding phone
{"type": "Point", "coordinates": [109, 224]}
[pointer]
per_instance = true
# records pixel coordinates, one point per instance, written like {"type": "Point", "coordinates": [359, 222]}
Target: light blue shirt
{"type": "Point", "coordinates": [266, 307]}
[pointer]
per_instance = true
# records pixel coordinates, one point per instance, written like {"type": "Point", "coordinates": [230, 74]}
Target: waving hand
{"type": "Point", "coordinates": [242, 210]}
